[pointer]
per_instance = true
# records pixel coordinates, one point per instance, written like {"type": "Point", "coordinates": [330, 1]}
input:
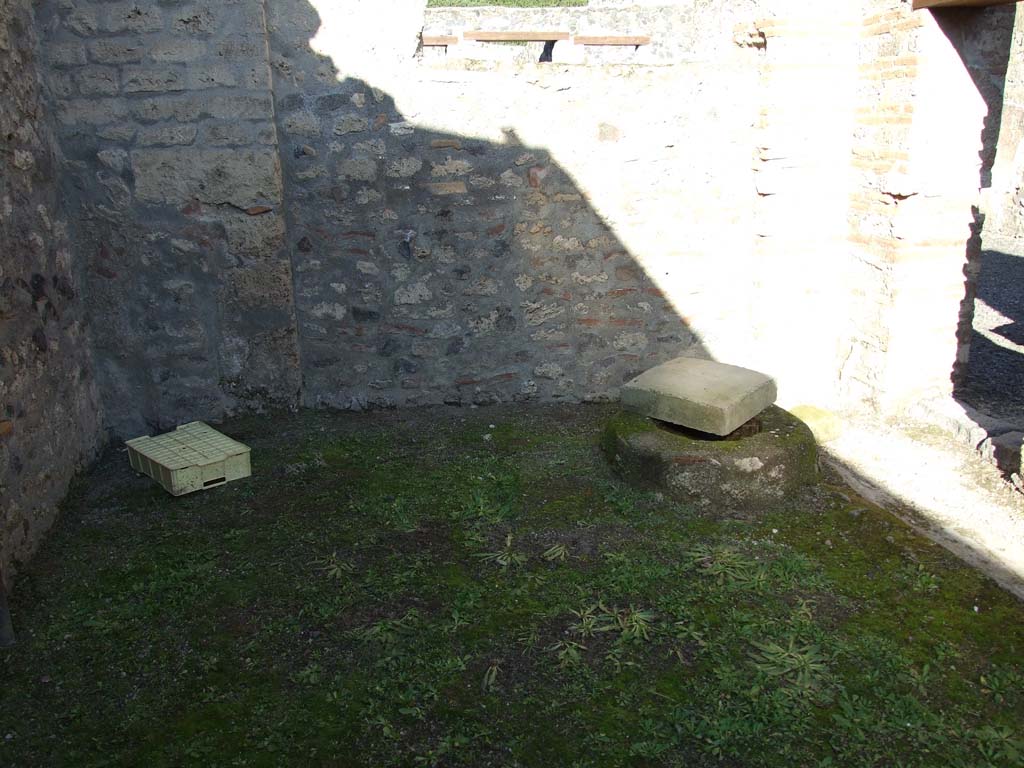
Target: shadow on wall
{"type": "Point", "coordinates": [438, 268]}
{"type": "Point", "coordinates": [319, 248]}
{"type": "Point", "coordinates": [991, 378]}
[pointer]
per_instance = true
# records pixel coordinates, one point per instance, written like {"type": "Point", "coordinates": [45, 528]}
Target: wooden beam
{"type": "Point", "coordinates": [436, 40]}
{"type": "Point", "coordinates": [612, 39]}
{"type": "Point", "coordinates": [514, 36]}
{"type": "Point", "coordinates": [921, 4]}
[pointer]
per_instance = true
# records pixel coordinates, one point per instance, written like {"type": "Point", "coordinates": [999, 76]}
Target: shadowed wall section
{"type": "Point", "coordinates": [49, 417]}
{"type": "Point", "coordinates": [166, 118]}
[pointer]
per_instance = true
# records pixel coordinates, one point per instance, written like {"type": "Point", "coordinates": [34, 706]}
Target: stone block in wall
{"type": "Point", "coordinates": [67, 54]}
{"type": "Point", "coordinates": [932, 219]}
{"type": "Point", "coordinates": [146, 79]}
{"type": "Point", "coordinates": [178, 50]}
{"type": "Point", "coordinates": [199, 77]}
{"type": "Point", "coordinates": [261, 369]}
{"type": "Point", "coordinates": [117, 51]}
{"type": "Point", "coordinates": [129, 17]}
{"type": "Point", "coordinates": [1004, 451]}
{"type": "Point", "coordinates": [97, 80]}
{"type": "Point", "coordinates": [257, 233]}
{"type": "Point", "coordinates": [260, 293]}
{"type": "Point", "coordinates": [241, 178]}
{"type": "Point", "coordinates": [91, 111]}
{"type": "Point", "coordinates": [189, 107]}
{"type": "Point", "coordinates": [165, 135]}
{"type": "Point", "coordinates": [236, 134]}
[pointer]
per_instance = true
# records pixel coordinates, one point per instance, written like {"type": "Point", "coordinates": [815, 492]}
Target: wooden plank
{"type": "Point", "coordinates": [922, 4]}
{"type": "Point", "coordinates": [514, 36]}
{"type": "Point", "coordinates": [612, 39]}
{"type": "Point", "coordinates": [435, 40]}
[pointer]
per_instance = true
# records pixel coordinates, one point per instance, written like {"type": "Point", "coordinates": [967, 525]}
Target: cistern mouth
{"type": "Point", "coordinates": [745, 430]}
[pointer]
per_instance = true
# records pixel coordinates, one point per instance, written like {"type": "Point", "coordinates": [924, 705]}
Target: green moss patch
{"type": "Point", "coordinates": [476, 587]}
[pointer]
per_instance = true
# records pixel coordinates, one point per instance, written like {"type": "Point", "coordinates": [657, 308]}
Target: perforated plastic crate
{"type": "Point", "coordinates": [193, 457]}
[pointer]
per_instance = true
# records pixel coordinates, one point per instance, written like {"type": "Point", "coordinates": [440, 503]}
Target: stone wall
{"type": "Point", "coordinates": [873, 133]}
{"type": "Point", "coordinates": [1004, 207]}
{"type": "Point", "coordinates": [463, 232]}
{"type": "Point", "coordinates": [679, 32]}
{"type": "Point", "coordinates": [49, 418]}
{"type": "Point", "coordinates": [457, 262]}
{"type": "Point", "coordinates": [167, 121]}
{"type": "Point", "coordinates": [283, 201]}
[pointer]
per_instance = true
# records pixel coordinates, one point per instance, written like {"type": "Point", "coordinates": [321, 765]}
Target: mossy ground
{"type": "Point", "coordinates": [400, 589]}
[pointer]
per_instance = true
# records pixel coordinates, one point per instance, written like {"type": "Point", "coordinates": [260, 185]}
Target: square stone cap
{"type": "Point", "coordinates": [700, 394]}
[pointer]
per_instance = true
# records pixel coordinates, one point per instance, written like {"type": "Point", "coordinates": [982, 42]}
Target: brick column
{"type": "Point", "coordinates": [915, 155]}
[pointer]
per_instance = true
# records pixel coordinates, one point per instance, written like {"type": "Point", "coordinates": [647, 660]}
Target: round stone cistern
{"type": "Point", "coordinates": [707, 433]}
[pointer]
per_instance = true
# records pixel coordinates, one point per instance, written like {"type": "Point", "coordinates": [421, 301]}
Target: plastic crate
{"type": "Point", "coordinates": [194, 457]}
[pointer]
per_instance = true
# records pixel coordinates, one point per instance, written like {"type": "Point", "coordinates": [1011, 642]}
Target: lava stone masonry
{"type": "Point", "coordinates": [49, 415]}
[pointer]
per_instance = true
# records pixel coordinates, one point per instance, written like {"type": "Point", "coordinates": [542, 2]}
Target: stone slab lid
{"type": "Point", "coordinates": [700, 394]}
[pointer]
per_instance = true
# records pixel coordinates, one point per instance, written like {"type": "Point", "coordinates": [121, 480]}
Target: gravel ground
{"type": "Point", "coordinates": [994, 382]}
